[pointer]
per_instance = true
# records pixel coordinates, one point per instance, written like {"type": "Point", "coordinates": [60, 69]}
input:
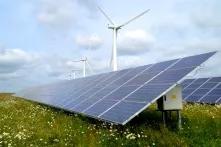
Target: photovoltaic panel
{"type": "Point", "coordinates": [116, 96]}
{"type": "Point", "coordinates": [218, 101]}
{"type": "Point", "coordinates": [202, 90]}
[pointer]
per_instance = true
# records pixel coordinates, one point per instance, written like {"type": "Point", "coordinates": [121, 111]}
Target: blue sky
{"type": "Point", "coordinates": [39, 39]}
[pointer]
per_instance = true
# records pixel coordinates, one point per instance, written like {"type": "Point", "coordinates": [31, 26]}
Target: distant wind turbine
{"type": "Point", "coordinates": [72, 74]}
{"type": "Point", "coordinates": [115, 29]}
{"type": "Point", "coordinates": [85, 62]}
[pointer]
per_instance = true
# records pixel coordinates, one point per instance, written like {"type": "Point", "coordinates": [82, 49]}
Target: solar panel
{"type": "Point", "coordinates": [119, 96]}
{"type": "Point", "coordinates": [203, 90]}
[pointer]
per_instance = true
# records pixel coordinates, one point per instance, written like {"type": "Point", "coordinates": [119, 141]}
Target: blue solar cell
{"type": "Point", "coordinates": [93, 90]}
{"type": "Point", "coordinates": [184, 95]}
{"type": "Point", "coordinates": [99, 88]}
{"type": "Point", "coordinates": [195, 85]}
{"type": "Point", "coordinates": [192, 98]}
{"type": "Point", "coordinates": [99, 95]}
{"type": "Point", "coordinates": [211, 99]}
{"type": "Point", "coordinates": [219, 87]}
{"type": "Point", "coordinates": [201, 92]}
{"type": "Point", "coordinates": [71, 93]}
{"type": "Point", "coordinates": [186, 83]}
{"type": "Point", "coordinates": [156, 68]}
{"type": "Point", "coordinates": [84, 105]}
{"type": "Point", "coordinates": [122, 111]}
{"type": "Point", "coordinates": [188, 90]}
{"type": "Point", "coordinates": [215, 79]}
{"type": "Point", "coordinates": [148, 92]}
{"type": "Point", "coordinates": [218, 101]}
{"type": "Point", "coordinates": [215, 92]}
{"type": "Point", "coordinates": [139, 69]}
{"type": "Point", "coordinates": [88, 90]}
{"type": "Point", "coordinates": [208, 85]}
{"type": "Point", "coordinates": [207, 92]}
{"type": "Point", "coordinates": [201, 80]}
{"type": "Point", "coordinates": [100, 107]}
{"type": "Point", "coordinates": [121, 92]}
{"type": "Point", "coordinates": [192, 61]}
{"type": "Point", "coordinates": [171, 76]}
{"type": "Point", "coordinates": [130, 75]}
{"type": "Point", "coordinates": [142, 78]}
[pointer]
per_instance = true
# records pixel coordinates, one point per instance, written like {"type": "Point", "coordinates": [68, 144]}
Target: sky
{"type": "Point", "coordinates": [40, 39]}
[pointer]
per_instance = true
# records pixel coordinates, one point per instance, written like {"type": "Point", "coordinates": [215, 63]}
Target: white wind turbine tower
{"type": "Point", "coordinates": [85, 62]}
{"type": "Point", "coordinates": [115, 29]}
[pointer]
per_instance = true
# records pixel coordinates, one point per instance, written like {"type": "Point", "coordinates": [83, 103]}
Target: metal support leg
{"type": "Point", "coordinates": [179, 119]}
{"type": "Point", "coordinates": [164, 118]}
{"type": "Point", "coordinates": [170, 115]}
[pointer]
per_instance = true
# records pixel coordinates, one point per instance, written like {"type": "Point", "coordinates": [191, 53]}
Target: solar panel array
{"type": "Point", "coordinates": [202, 90]}
{"type": "Point", "coordinates": [116, 96]}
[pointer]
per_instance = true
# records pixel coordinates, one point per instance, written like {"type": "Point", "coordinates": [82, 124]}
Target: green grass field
{"type": "Point", "coordinates": [24, 123]}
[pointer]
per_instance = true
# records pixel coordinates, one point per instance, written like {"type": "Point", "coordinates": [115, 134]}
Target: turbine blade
{"type": "Point", "coordinates": [105, 15]}
{"type": "Point", "coordinates": [90, 68]}
{"type": "Point", "coordinates": [134, 18]}
{"type": "Point", "coordinates": [77, 61]}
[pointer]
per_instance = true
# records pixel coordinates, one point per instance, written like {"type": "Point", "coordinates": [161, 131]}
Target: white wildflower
{"type": "Point", "coordinates": [5, 134]}
{"type": "Point", "coordinates": [56, 140]}
{"type": "Point", "coordinates": [131, 136]}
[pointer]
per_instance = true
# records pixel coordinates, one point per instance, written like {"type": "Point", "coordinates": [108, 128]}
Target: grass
{"type": "Point", "coordinates": [24, 123]}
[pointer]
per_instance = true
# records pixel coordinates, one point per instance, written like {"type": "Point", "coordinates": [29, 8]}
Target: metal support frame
{"type": "Point", "coordinates": [164, 118]}
{"type": "Point", "coordinates": [179, 119]}
{"type": "Point", "coordinates": [167, 114]}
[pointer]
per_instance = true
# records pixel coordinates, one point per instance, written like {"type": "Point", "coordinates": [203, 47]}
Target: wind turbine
{"type": "Point", "coordinates": [115, 29]}
{"type": "Point", "coordinates": [85, 62]}
{"type": "Point", "coordinates": [74, 73]}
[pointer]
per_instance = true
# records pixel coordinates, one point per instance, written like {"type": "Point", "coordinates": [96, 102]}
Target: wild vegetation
{"type": "Point", "coordinates": [24, 123]}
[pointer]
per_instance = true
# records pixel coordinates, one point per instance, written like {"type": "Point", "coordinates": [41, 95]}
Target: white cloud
{"type": "Point", "coordinates": [210, 18]}
{"type": "Point", "coordinates": [131, 61]}
{"type": "Point", "coordinates": [59, 13]}
{"type": "Point", "coordinates": [88, 42]}
{"type": "Point", "coordinates": [64, 14]}
{"type": "Point", "coordinates": [12, 60]}
{"type": "Point", "coordinates": [135, 42]}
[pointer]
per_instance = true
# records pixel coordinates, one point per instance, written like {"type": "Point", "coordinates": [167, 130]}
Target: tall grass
{"type": "Point", "coordinates": [24, 123]}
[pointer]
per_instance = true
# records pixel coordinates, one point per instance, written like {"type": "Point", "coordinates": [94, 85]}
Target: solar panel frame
{"type": "Point", "coordinates": [121, 86]}
{"type": "Point", "coordinates": [209, 86]}
{"type": "Point", "coordinates": [135, 91]}
{"type": "Point", "coordinates": [189, 84]}
{"type": "Point", "coordinates": [197, 88]}
{"type": "Point", "coordinates": [153, 100]}
{"type": "Point", "coordinates": [87, 90]}
{"type": "Point", "coordinates": [218, 101]}
{"type": "Point", "coordinates": [100, 89]}
{"type": "Point", "coordinates": [186, 83]}
{"type": "Point", "coordinates": [170, 88]}
{"type": "Point", "coordinates": [201, 99]}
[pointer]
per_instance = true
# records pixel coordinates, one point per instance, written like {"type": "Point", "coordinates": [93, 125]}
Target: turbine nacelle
{"type": "Point", "coordinates": [114, 27]}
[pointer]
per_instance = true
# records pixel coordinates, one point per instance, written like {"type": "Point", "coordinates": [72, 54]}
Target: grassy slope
{"type": "Point", "coordinates": [24, 123]}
